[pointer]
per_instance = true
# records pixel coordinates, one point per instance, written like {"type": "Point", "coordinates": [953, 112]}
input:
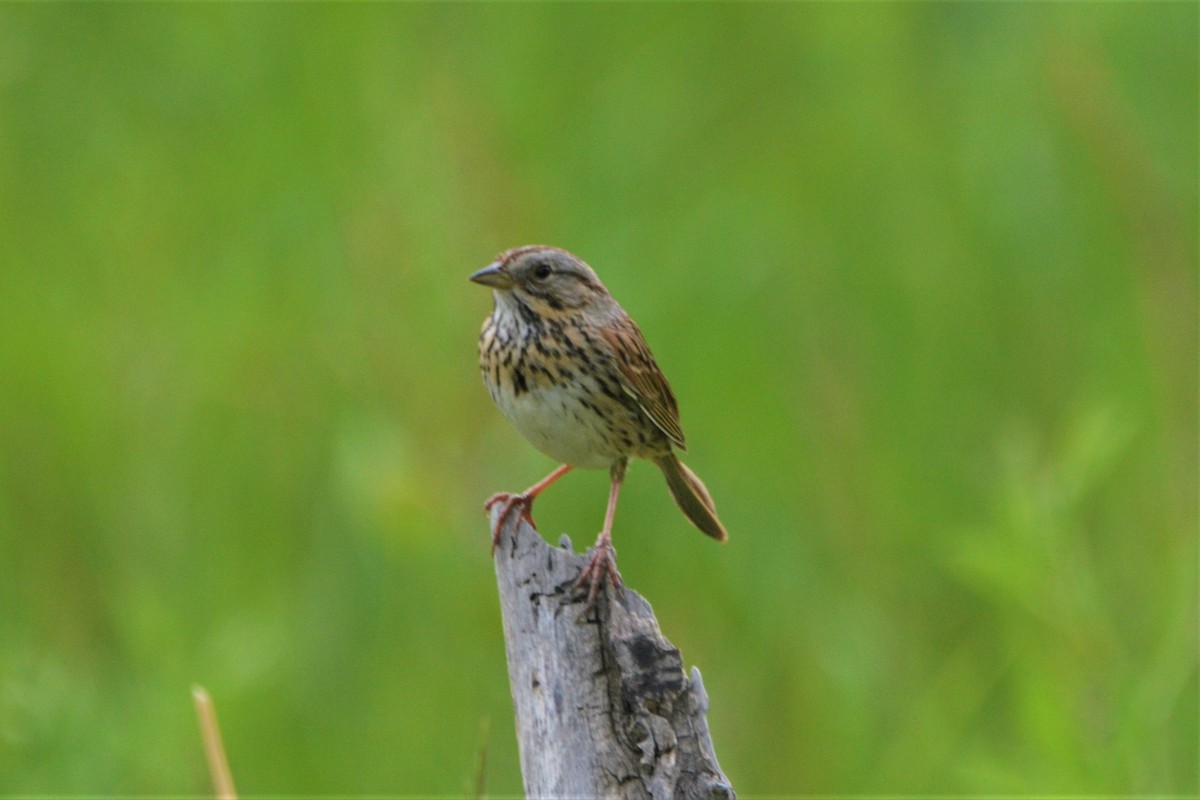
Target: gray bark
{"type": "Point", "coordinates": [603, 706]}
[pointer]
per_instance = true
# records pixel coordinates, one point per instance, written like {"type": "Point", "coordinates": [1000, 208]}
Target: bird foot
{"type": "Point", "coordinates": [600, 569]}
{"type": "Point", "coordinates": [511, 502]}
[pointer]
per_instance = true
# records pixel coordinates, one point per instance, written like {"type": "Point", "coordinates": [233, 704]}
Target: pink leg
{"type": "Point", "coordinates": [524, 501]}
{"type": "Point", "coordinates": [602, 565]}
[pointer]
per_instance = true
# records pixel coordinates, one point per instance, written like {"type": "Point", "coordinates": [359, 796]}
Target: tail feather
{"type": "Point", "coordinates": [691, 496]}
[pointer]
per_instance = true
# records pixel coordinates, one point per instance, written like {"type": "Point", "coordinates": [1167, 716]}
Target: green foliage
{"type": "Point", "coordinates": [923, 276]}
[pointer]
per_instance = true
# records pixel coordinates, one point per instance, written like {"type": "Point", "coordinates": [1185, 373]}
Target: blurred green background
{"type": "Point", "coordinates": [922, 275]}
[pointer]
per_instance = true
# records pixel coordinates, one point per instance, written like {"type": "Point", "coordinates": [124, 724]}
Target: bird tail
{"type": "Point", "coordinates": [691, 496]}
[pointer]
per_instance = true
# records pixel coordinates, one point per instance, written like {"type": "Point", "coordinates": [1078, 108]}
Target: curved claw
{"type": "Point", "coordinates": [601, 568]}
{"type": "Point", "coordinates": [524, 500]}
{"type": "Point", "coordinates": [510, 501]}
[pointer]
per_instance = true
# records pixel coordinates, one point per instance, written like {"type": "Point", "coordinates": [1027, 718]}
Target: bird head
{"type": "Point", "coordinates": [546, 280]}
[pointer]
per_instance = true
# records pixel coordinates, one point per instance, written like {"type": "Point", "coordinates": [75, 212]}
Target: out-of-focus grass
{"type": "Point", "coordinates": [923, 276]}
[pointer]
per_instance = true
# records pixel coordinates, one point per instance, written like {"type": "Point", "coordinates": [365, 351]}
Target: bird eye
{"type": "Point", "coordinates": [542, 271]}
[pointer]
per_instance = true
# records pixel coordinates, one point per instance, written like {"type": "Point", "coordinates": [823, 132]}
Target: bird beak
{"type": "Point", "coordinates": [493, 275]}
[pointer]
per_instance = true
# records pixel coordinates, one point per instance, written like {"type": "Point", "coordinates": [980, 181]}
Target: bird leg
{"type": "Point", "coordinates": [524, 501]}
{"type": "Point", "coordinates": [602, 565]}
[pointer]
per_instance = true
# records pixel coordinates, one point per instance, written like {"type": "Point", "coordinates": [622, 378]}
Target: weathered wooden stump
{"type": "Point", "coordinates": [603, 706]}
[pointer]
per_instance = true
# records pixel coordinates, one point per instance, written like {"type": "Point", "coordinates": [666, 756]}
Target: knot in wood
{"type": "Point", "coordinates": [651, 673]}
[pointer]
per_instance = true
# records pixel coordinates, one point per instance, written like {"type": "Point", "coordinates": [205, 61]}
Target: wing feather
{"type": "Point", "coordinates": [642, 380]}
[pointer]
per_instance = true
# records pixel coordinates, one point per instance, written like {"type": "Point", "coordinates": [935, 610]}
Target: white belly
{"type": "Point", "coordinates": [554, 421]}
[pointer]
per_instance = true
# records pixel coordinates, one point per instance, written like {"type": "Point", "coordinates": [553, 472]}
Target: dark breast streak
{"type": "Point", "coordinates": [520, 352]}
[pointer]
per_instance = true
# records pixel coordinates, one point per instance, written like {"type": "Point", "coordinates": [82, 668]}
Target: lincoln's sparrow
{"type": "Point", "coordinates": [571, 371]}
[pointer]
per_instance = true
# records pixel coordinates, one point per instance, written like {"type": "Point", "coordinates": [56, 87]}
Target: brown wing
{"type": "Point", "coordinates": [642, 380]}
